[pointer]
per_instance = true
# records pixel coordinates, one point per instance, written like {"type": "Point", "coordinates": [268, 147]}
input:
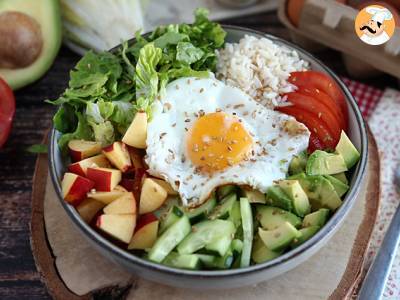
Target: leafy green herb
{"type": "Point", "coordinates": [37, 148]}
{"type": "Point", "coordinates": [107, 89]}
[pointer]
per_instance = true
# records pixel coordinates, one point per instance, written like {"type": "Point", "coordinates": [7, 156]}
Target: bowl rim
{"type": "Point", "coordinates": [334, 222]}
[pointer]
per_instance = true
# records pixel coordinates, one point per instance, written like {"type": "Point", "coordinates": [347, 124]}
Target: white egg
{"type": "Point", "coordinates": [174, 118]}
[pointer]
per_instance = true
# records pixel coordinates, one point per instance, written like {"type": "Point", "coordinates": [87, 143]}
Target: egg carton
{"type": "Point", "coordinates": [327, 23]}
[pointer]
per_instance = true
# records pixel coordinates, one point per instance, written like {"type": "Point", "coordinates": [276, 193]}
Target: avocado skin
{"type": "Point", "coordinates": [48, 14]}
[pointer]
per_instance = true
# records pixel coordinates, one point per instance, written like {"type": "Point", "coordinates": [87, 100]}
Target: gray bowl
{"type": "Point", "coordinates": [236, 277]}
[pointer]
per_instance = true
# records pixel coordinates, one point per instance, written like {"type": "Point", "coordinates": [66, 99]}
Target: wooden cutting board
{"type": "Point", "coordinates": [72, 269]}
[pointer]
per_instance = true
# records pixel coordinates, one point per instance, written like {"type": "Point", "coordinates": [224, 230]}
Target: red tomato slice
{"type": "Point", "coordinates": [326, 100]}
{"type": "Point", "coordinates": [322, 82]}
{"type": "Point", "coordinates": [314, 143]}
{"type": "Point", "coordinates": [319, 110]}
{"type": "Point", "coordinates": [315, 125]}
{"type": "Point", "coordinates": [7, 111]}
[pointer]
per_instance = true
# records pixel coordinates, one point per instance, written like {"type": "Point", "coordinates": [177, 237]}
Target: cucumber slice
{"type": "Point", "coordinates": [306, 234]}
{"type": "Point", "coordinates": [237, 247]}
{"type": "Point", "coordinates": [223, 210]}
{"type": "Point", "coordinates": [247, 224]}
{"type": "Point", "coordinates": [279, 238]}
{"type": "Point", "coordinates": [261, 253]}
{"type": "Point", "coordinates": [220, 246]}
{"type": "Point", "coordinates": [207, 260]}
{"type": "Point", "coordinates": [170, 239]}
{"type": "Point", "coordinates": [273, 217]}
{"type": "Point", "coordinates": [216, 262]}
{"type": "Point", "coordinates": [199, 213]}
{"type": "Point", "coordinates": [235, 216]}
{"type": "Point", "coordinates": [207, 233]}
{"type": "Point", "coordinates": [182, 261]}
{"type": "Point", "coordinates": [170, 218]}
{"type": "Point", "coordinates": [225, 190]}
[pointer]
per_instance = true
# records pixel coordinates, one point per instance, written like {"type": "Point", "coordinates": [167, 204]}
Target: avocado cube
{"type": "Point", "coordinates": [317, 218]}
{"type": "Point", "coordinates": [254, 196]}
{"type": "Point", "coordinates": [324, 163]}
{"type": "Point", "coordinates": [340, 187]}
{"type": "Point", "coordinates": [272, 217]}
{"type": "Point", "coordinates": [346, 148]}
{"type": "Point", "coordinates": [342, 177]}
{"type": "Point", "coordinates": [276, 197]}
{"type": "Point", "coordinates": [260, 253]}
{"type": "Point", "coordinates": [279, 238]}
{"type": "Point", "coordinates": [293, 189]}
{"type": "Point", "coordinates": [306, 234]}
{"type": "Point", "coordinates": [298, 163]}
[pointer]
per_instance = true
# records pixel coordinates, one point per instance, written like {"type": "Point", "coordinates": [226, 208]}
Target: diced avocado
{"type": "Point", "coordinates": [324, 163]}
{"type": "Point", "coordinates": [170, 239]}
{"type": "Point", "coordinates": [182, 261]}
{"type": "Point", "coordinates": [234, 215]}
{"type": "Point", "coordinates": [45, 14]}
{"type": "Point", "coordinates": [319, 190]}
{"type": "Point", "coordinates": [276, 197]}
{"type": "Point", "coordinates": [199, 213]}
{"type": "Point", "coordinates": [279, 238]}
{"type": "Point", "coordinates": [306, 234]}
{"type": "Point", "coordinates": [298, 163]}
{"type": "Point", "coordinates": [273, 217]}
{"type": "Point", "coordinates": [261, 253]}
{"type": "Point", "coordinates": [224, 208]}
{"type": "Point", "coordinates": [342, 177]}
{"type": "Point", "coordinates": [170, 217]}
{"type": "Point", "coordinates": [248, 231]}
{"type": "Point", "coordinates": [254, 196]}
{"type": "Point", "coordinates": [346, 148]}
{"type": "Point", "coordinates": [293, 189]}
{"type": "Point", "coordinates": [317, 218]}
{"type": "Point", "coordinates": [215, 235]}
{"type": "Point", "coordinates": [340, 187]}
{"type": "Point", "coordinates": [225, 190]}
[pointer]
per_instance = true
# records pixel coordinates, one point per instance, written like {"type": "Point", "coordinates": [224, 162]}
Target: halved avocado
{"type": "Point", "coordinates": [47, 15]}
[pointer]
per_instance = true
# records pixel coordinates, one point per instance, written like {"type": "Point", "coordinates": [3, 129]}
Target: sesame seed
{"type": "Point", "coordinates": [187, 120]}
{"type": "Point", "coordinates": [238, 106]}
{"type": "Point", "coordinates": [229, 148]}
{"type": "Point", "coordinates": [173, 125]}
{"type": "Point", "coordinates": [201, 90]}
{"type": "Point", "coordinates": [202, 158]}
{"type": "Point", "coordinates": [177, 87]}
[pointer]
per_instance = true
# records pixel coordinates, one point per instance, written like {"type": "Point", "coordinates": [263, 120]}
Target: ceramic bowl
{"type": "Point", "coordinates": [235, 277]}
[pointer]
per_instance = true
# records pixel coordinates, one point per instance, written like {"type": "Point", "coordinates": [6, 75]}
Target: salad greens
{"type": "Point", "coordinates": [106, 89]}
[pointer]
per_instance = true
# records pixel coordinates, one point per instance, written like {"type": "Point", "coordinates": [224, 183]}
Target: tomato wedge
{"type": "Point", "coordinates": [314, 143]}
{"type": "Point", "coordinates": [315, 125]}
{"type": "Point", "coordinates": [326, 100]}
{"type": "Point", "coordinates": [7, 111]}
{"type": "Point", "coordinates": [319, 110]}
{"type": "Point", "coordinates": [321, 82]}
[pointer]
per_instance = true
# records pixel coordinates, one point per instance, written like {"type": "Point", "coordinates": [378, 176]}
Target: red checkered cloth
{"type": "Point", "coordinates": [366, 96]}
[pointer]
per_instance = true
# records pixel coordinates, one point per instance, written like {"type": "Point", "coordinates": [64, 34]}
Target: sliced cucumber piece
{"type": "Point", "coordinates": [273, 217]}
{"type": "Point", "coordinates": [247, 225]}
{"type": "Point", "coordinates": [182, 261]}
{"type": "Point", "coordinates": [235, 216]}
{"type": "Point", "coordinates": [261, 253]}
{"type": "Point", "coordinates": [276, 197]}
{"type": "Point", "coordinates": [279, 238]}
{"type": "Point", "coordinates": [170, 239]}
{"type": "Point", "coordinates": [225, 190]}
{"type": "Point", "coordinates": [213, 233]}
{"type": "Point", "coordinates": [199, 213]}
{"type": "Point", "coordinates": [306, 234]}
{"type": "Point", "coordinates": [224, 209]}
{"type": "Point", "coordinates": [173, 215]}
{"type": "Point", "coordinates": [317, 218]}
{"type": "Point", "coordinates": [216, 262]}
{"type": "Point", "coordinates": [237, 247]}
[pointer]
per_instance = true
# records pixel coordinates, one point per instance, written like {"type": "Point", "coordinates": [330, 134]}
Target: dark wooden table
{"type": "Point", "coordinates": [18, 276]}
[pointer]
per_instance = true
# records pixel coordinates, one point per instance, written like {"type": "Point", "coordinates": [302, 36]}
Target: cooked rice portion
{"type": "Point", "coordinates": [259, 67]}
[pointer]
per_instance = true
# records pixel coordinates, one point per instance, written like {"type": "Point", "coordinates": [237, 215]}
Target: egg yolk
{"type": "Point", "coordinates": [217, 141]}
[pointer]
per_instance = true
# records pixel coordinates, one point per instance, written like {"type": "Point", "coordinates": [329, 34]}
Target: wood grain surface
{"type": "Point", "coordinates": [19, 278]}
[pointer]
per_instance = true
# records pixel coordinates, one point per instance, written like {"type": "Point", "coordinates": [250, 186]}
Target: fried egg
{"type": "Point", "coordinates": [204, 134]}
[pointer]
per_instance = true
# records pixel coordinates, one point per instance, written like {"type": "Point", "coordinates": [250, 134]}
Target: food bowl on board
{"type": "Point", "coordinates": [233, 277]}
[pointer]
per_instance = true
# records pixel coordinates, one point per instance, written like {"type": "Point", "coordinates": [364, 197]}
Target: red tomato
{"type": "Point", "coordinates": [7, 111]}
{"type": "Point", "coordinates": [321, 81]}
{"type": "Point", "coordinates": [319, 110]}
{"type": "Point", "coordinates": [327, 101]}
{"type": "Point", "coordinates": [314, 143]}
{"type": "Point", "coordinates": [315, 125]}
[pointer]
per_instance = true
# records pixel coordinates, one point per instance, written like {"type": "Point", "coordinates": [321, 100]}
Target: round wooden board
{"type": "Point", "coordinates": [45, 261]}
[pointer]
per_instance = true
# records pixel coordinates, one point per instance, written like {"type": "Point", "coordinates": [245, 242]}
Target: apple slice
{"type": "Point", "coordinates": [88, 208]}
{"type": "Point", "coordinates": [106, 197]}
{"type": "Point", "coordinates": [80, 167]}
{"type": "Point", "coordinates": [152, 196]}
{"type": "Point", "coordinates": [136, 134]}
{"type": "Point", "coordinates": [75, 188]}
{"type": "Point", "coordinates": [118, 154]}
{"type": "Point", "coordinates": [120, 227]}
{"type": "Point", "coordinates": [166, 186]}
{"type": "Point", "coordinates": [145, 233]}
{"type": "Point", "coordinates": [105, 179]}
{"type": "Point", "coordinates": [80, 149]}
{"type": "Point", "coordinates": [120, 188]}
{"type": "Point", "coordinates": [136, 157]}
{"type": "Point", "coordinates": [126, 204]}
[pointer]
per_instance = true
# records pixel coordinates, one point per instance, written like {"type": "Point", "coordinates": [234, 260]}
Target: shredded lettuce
{"type": "Point", "coordinates": [106, 89]}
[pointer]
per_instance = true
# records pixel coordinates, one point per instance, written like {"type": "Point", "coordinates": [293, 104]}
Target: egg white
{"type": "Point", "coordinates": [174, 114]}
